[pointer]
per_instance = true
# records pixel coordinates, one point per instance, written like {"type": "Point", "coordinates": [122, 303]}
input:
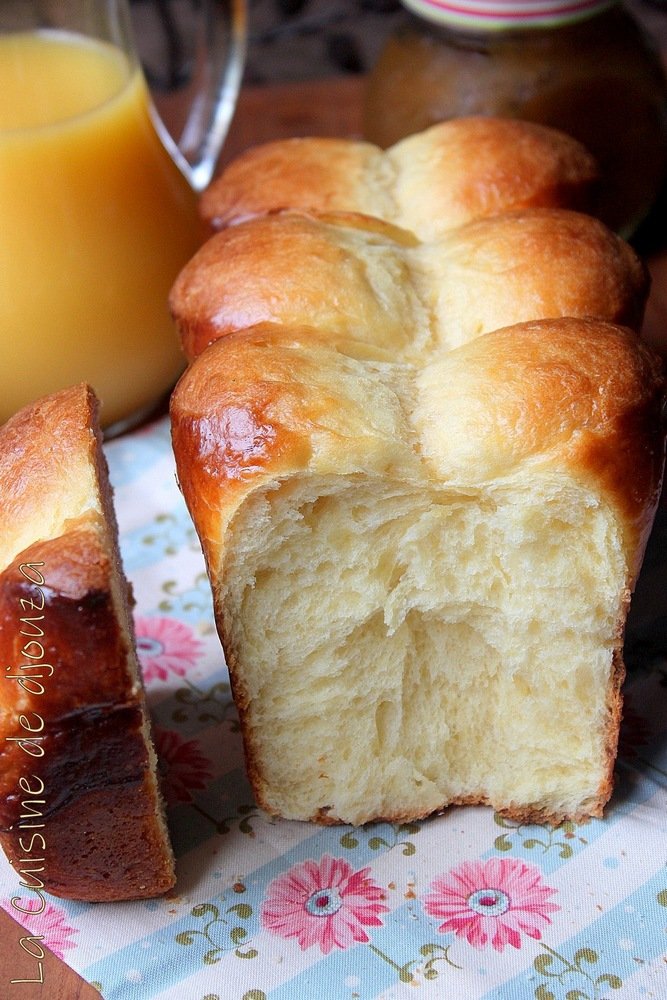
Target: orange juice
{"type": "Point", "coordinates": [96, 222]}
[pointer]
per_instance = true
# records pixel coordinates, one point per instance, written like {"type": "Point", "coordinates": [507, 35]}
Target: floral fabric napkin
{"type": "Point", "coordinates": [464, 905]}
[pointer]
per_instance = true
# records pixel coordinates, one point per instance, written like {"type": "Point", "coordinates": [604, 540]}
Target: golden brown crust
{"type": "Point", "coordinates": [266, 402]}
{"type": "Point", "coordinates": [320, 175]}
{"type": "Point", "coordinates": [447, 175]}
{"type": "Point", "coordinates": [488, 166]}
{"type": "Point", "coordinates": [73, 721]}
{"type": "Point", "coordinates": [354, 277]}
{"type": "Point", "coordinates": [80, 865]}
{"type": "Point", "coordinates": [212, 296]}
{"type": "Point", "coordinates": [35, 446]}
{"type": "Point", "coordinates": [584, 393]}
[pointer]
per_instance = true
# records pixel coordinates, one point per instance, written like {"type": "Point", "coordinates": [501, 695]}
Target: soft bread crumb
{"type": "Point", "coordinates": [401, 650]}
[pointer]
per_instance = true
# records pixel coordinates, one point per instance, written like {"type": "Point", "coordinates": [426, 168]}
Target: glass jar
{"type": "Point", "coordinates": [584, 67]}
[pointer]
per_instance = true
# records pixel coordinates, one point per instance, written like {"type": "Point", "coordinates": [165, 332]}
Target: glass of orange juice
{"type": "Point", "coordinates": [98, 205]}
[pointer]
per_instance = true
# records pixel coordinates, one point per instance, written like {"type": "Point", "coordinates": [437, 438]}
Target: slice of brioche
{"type": "Point", "coordinates": [422, 571]}
{"type": "Point", "coordinates": [78, 775]}
{"type": "Point", "coordinates": [428, 183]}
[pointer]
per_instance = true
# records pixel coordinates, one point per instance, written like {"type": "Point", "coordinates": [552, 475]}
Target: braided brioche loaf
{"type": "Point", "coordinates": [423, 469]}
{"type": "Point", "coordinates": [80, 809]}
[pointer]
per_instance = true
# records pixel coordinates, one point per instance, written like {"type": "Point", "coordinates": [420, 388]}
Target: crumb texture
{"type": "Point", "coordinates": [401, 648]}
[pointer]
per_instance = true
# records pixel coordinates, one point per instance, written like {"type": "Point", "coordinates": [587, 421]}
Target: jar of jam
{"type": "Point", "coordinates": [583, 66]}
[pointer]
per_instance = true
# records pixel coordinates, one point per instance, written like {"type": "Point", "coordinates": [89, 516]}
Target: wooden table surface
{"type": "Point", "coordinates": [323, 107]}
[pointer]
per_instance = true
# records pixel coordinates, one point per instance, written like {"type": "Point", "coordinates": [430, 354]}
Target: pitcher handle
{"type": "Point", "coordinates": [218, 56]}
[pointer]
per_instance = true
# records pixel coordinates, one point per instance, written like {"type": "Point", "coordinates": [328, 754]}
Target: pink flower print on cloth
{"type": "Point", "coordinates": [327, 904]}
{"type": "Point", "coordinates": [184, 767]}
{"type": "Point", "coordinates": [494, 901]}
{"type": "Point", "coordinates": [49, 926]}
{"type": "Point", "coordinates": [164, 645]}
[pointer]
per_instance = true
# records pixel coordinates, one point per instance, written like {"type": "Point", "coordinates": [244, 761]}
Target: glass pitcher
{"type": "Point", "coordinates": [98, 202]}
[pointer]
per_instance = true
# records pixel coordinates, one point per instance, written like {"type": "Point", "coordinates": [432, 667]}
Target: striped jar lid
{"type": "Point", "coordinates": [497, 15]}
